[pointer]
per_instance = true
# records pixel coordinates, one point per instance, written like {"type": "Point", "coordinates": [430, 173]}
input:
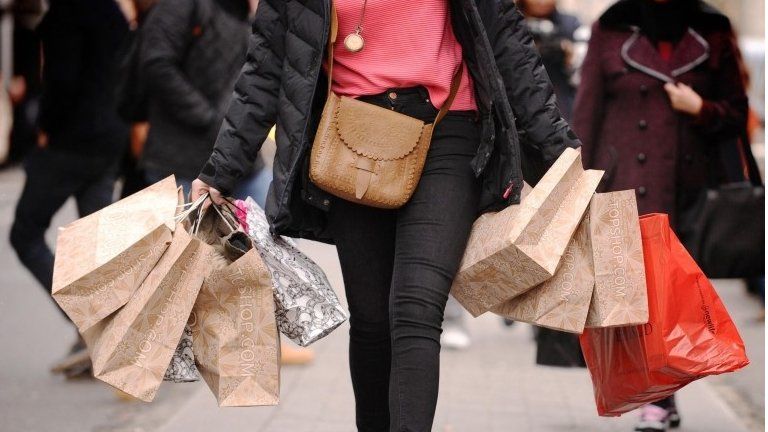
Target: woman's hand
{"type": "Point", "coordinates": [684, 98]}
{"type": "Point", "coordinates": [200, 188]}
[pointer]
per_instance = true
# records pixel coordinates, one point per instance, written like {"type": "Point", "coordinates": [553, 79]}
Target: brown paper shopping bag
{"type": "Point", "coordinates": [131, 350]}
{"type": "Point", "coordinates": [102, 258]}
{"type": "Point", "coordinates": [561, 302]}
{"type": "Point", "coordinates": [234, 334]}
{"type": "Point", "coordinates": [512, 251]}
{"type": "Point", "coordinates": [620, 297]}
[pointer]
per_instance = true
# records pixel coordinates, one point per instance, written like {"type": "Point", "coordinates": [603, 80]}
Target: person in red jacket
{"type": "Point", "coordinates": [660, 89]}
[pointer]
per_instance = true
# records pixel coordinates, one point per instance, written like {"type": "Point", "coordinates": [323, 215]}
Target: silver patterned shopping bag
{"type": "Point", "coordinates": [182, 368]}
{"type": "Point", "coordinates": [306, 307]}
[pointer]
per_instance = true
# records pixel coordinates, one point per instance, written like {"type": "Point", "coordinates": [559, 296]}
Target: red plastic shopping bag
{"type": "Point", "coordinates": [689, 334]}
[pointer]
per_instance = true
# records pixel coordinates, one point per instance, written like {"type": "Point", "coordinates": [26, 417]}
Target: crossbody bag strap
{"type": "Point", "coordinates": [332, 40]}
{"type": "Point", "coordinates": [455, 82]}
{"type": "Point", "coordinates": [334, 30]}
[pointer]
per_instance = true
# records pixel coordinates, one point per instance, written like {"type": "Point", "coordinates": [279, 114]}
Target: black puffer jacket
{"type": "Point", "coordinates": [191, 52]}
{"type": "Point", "coordinates": [281, 83]}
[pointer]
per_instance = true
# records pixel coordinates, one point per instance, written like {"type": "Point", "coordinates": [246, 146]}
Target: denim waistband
{"type": "Point", "coordinates": [414, 102]}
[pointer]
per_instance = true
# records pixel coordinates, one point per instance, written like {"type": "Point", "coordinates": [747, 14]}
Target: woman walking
{"type": "Point", "coordinates": [398, 264]}
{"type": "Point", "coordinates": [661, 99]}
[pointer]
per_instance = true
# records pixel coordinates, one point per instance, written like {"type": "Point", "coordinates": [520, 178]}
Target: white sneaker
{"type": "Point", "coordinates": [653, 419]}
{"type": "Point", "coordinates": [455, 338]}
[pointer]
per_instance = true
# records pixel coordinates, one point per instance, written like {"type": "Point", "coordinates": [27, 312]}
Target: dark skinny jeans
{"type": "Point", "coordinates": [398, 266]}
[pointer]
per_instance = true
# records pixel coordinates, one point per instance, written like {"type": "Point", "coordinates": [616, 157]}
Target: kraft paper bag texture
{"type": "Point", "coordinates": [307, 307]}
{"type": "Point", "coordinates": [102, 259]}
{"type": "Point", "coordinates": [520, 247]}
{"type": "Point", "coordinates": [561, 302]}
{"type": "Point", "coordinates": [234, 332]}
{"type": "Point", "coordinates": [133, 348]}
{"type": "Point", "coordinates": [620, 297]}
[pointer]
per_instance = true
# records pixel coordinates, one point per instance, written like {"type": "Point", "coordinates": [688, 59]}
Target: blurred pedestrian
{"type": "Point", "coordinates": [191, 52]}
{"type": "Point", "coordinates": [131, 97]}
{"type": "Point", "coordinates": [455, 333]}
{"type": "Point", "coordinates": [554, 34]}
{"type": "Point", "coordinates": [660, 90]}
{"type": "Point", "coordinates": [755, 285]}
{"type": "Point", "coordinates": [24, 87]}
{"type": "Point", "coordinates": [82, 136]}
{"type": "Point", "coordinates": [398, 264]}
{"type": "Point", "coordinates": [256, 184]}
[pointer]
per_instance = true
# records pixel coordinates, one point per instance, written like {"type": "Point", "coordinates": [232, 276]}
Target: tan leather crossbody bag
{"type": "Point", "coordinates": [368, 154]}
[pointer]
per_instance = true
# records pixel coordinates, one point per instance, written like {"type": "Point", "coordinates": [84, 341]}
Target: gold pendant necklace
{"type": "Point", "coordinates": [354, 42]}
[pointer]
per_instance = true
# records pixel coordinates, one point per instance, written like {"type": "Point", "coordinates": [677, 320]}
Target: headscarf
{"type": "Point", "coordinates": [668, 20]}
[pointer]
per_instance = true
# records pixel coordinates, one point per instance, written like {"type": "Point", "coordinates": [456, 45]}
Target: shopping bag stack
{"type": "Point", "coordinates": [132, 349]}
{"type": "Point", "coordinates": [573, 260]}
{"type": "Point", "coordinates": [518, 248]}
{"type": "Point", "coordinates": [162, 290]}
{"type": "Point", "coordinates": [126, 276]}
{"type": "Point", "coordinates": [600, 281]}
{"type": "Point", "coordinates": [561, 302]}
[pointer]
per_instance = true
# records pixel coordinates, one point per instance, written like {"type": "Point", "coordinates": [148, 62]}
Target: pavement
{"type": "Point", "coordinates": [493, 386]}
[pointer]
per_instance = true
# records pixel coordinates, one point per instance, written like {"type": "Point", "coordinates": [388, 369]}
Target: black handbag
{"type": "Point", "coordinates": [724, 229]}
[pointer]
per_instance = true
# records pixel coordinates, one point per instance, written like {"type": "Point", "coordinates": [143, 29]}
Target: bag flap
{"type": "Point", "coordinates": [376, 132]}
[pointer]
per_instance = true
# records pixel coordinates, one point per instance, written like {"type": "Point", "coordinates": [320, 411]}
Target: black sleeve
{"type": "Point", "coordinates": [165, 38]}
{"type": "Point", "coordinates": [528, 87]}
{"type": "Point", "coordinates": [253, 107]}
{"type": "Point", "coordinates": [62, 40]}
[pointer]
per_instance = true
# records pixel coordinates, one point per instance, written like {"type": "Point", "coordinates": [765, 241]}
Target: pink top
{"type": "Point", "coordinates": [407, 43]}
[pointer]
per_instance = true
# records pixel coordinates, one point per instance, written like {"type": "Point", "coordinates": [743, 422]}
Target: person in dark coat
{"type": "Point", "coordinates": [661, 90]}
{"type": "Point", "coordinates": [83, 137]}
{"type": "Point", "coordinates": [191, 53]}
{"type": "Point", "coordinates": [554, 34]}
{"type": "Point", "coordinates": [398, 265]}
{"type": "Point", "coordinates": [654, 101]}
